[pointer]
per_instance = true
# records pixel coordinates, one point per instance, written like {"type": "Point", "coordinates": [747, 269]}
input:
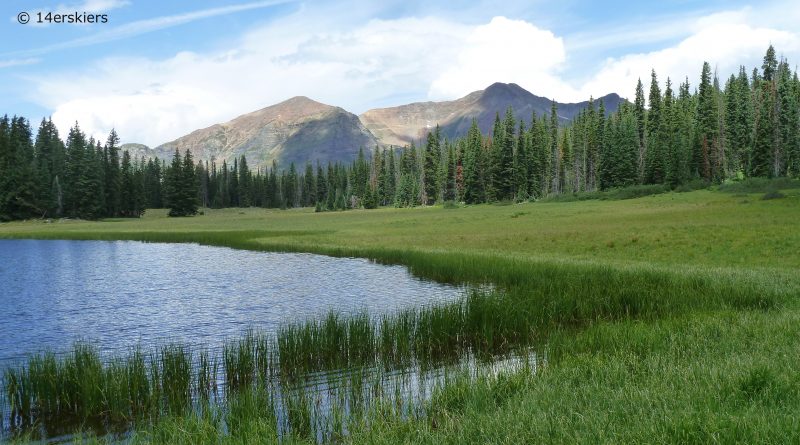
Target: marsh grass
{"type": "Point", "coordinates": [79, 387]}
{"type": "Point", "coordinates": [687, 335]}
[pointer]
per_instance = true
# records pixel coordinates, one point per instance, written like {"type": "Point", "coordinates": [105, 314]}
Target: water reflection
{"type": "Point", "coordinates": [119, 294]}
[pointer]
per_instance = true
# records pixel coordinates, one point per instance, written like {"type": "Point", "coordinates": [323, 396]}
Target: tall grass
{"type": "Point", "coordinates": [601, 320]}
{"type": "Point", "coordinates": [80, 387]}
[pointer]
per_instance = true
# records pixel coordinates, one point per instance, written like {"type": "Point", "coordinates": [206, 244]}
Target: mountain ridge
{"type": "Point", "coordinates": [454, 117]}
{"type": "Point", "coordinates": [300, 129]}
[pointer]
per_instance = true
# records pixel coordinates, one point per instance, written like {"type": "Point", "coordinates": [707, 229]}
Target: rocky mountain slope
{"type": "Point", "coordinates": [406, 123]}
{"type": "Point", "coordinates": [296, 130]}
{"type": "Point", "coordinates": [300, 129]}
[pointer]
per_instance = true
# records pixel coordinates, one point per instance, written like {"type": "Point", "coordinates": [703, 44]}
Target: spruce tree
{"type": "Point", "coordinates": [641, 123]}
{"type": "Point", "coordinates": [245, 179]}
{"type": "Point", "coordinates": [473, 171]}
{"type": "Point", "coordinates": [449, 188]}
{"type": "Point", "coordinates": [761, 160]}
{"type": "Point", "coordinates": [431, 167]}
{"type": "Point", "coordinates": [787, 122]}
{"type": "Point", "coordinates": [521, 163]}
{"type": "Point", "coordinates": [707, 128]}
{"type": "Point", "coordinates": [112, 174]}
{"type": "Point", "coordinates": [555, 155]}
{"type": "Point", "coordinates": [654, 137]}
{"type": "Point", "coordinates": [18, 185]}
{"type": "Point", "coordinates": [181, 186]}
{"type": "Point", "coordinates": [49, 155]}
{"type": "Point", "coordinates": [492, 160]}
{"type": "Point", "coordinates": [504, 179]}
{"type": "Point", "coordinates": [770, 66]}
{"type": "Point", "coordinates": [126, 204]}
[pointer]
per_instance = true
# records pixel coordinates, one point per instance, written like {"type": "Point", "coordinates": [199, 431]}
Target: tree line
{"type": "Point", "coordinates": [750, 127]}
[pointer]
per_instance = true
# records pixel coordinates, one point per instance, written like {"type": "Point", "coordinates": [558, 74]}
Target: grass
{"type": "Point", "coordinates": [668, 318]}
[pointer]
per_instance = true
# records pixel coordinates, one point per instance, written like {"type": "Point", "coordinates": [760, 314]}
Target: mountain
{"type": "Point", "coordinates": [296, 130]}
{"type": "Point", "coordinates": [401, 125]}
{"type": "Point", "coordinates": [138, 151]}
{"type": "Point", "coordinates": [300, 129]}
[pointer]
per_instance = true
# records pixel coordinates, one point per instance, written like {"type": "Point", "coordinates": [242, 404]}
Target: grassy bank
{"type": "Point", "coordinates": [661, 317]}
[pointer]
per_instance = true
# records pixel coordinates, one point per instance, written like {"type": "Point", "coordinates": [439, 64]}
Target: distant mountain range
{"type": "Point", "coordinates": [300, 129]}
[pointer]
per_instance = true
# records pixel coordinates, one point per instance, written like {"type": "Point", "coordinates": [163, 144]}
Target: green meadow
{"type": "Point", "coordinates": [665, 318]}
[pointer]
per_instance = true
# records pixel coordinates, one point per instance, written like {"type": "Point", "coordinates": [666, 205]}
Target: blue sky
{"type": "Point", "coordinates": [160, 69]}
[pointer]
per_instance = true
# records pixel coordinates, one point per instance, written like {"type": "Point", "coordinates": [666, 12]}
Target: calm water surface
{"type": "Point", "coordinates": [122, 293]}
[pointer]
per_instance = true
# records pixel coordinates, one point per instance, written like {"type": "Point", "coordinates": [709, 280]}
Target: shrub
{"type": "Point", "coordinates": [773, 195]}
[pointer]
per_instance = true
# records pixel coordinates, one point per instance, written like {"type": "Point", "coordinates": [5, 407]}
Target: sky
{"type": "Point", "coordinates": [158, 70]}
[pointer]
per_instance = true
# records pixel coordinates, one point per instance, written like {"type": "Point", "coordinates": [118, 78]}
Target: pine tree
{"type": "Point", "coordinates": [181, 186]}
{"type": "Point", "coordinates": [504, 180]}
{"type": "Point", "coordinates": [390, 182]}
{"type": "Point", "coordinates": [770, 66]}
{"type": "Point", "coordinates": [473, 171]}
{"type": "Point", "coordinates": [764, 133]}
{"type": "Point", "coordinates": [555, 155]}
{"type": "Point", "coordinates": [641, 123]}
{"type": "Point", "coordinates": [290, 188]}
{"type": "Point", "coordinates": [127, 204]}
{"type": "Point", "coordinates": [18, 186]}
{"type": "Point", "coordinates": [787, 122]}
{"type": "Point", "coordinates": [245, 179]}
{"type": "Point", "coordinates": [565, 154]}
{"type": "Point", "coordinates": [75, 153]}
{"type": "Point", "coordinates": [233, 185]}
{"type": "Point", "coordinates": [521, 163]}
{"type": "Point", "coordinates": [322, 186]}
{"type": "Point", "coordinates": [49, 155]}
{"type": "Point", "coordinates": [449, 188]}
{"type": "Point", "coordinates": [655, 153]}
{"type": "Point", "coordinates": [738, 121]}
{"type": "Point", "coordinates": [431, 167]}
{"type": "Point", "coordinates": [540, 155]}
{"type": "Point", "coordinates": [492, 162]}
{"type": "Point", "coordinates": [667, 139]}
{"type": "Point", "coordinates": [112, 174]}
{"type": "Point", "coordinates": [704, 163]}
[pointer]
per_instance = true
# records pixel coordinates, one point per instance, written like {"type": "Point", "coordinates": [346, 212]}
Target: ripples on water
{"type": "Point", "coordinates": [117, 295]}
{"type": "Point", "coordinates": [123, 293]}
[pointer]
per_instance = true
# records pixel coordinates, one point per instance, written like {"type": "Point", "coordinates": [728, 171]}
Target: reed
{"type": "Point", "coordinates": [176, 377]}
{"type": "Point", "coordinates": [670, 318]}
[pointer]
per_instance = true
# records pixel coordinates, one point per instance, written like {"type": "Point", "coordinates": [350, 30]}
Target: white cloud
{"type": "Point", "coordinates": [359, 66]}
{"type": "Point", "coordinates": [504, 51]}
{"type": "Point", "coordinates": [18, 62]}
{"type": "Point", "coordinates": [157, 101]}
{"type": "Point", "coordinates": [722, 40]}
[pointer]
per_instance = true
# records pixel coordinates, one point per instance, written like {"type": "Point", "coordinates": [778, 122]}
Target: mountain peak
{"type": "Point", "coordinates": [409, 123]}
{"type": "Point", "coordinates": [500, 86]}
{"type": "Point", "coordinates": [302, 101]}
{"type": "Point", "coordinates": [501, 93]}
{"type": "Point", "coordinates": [296, 130]}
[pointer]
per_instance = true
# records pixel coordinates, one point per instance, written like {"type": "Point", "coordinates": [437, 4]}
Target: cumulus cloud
{"type": "Point", "coordinates": [372, 63]}
{"type": "Point", "coordinates": [504, 50]}
{"type": "Point", "coordinates": [154, 101]}
{"type": "Point", "coordinates": [722, 40]}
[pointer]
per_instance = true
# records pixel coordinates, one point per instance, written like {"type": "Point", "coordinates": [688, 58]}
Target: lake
{"type": "Point", "coordinates": [123, 293]}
